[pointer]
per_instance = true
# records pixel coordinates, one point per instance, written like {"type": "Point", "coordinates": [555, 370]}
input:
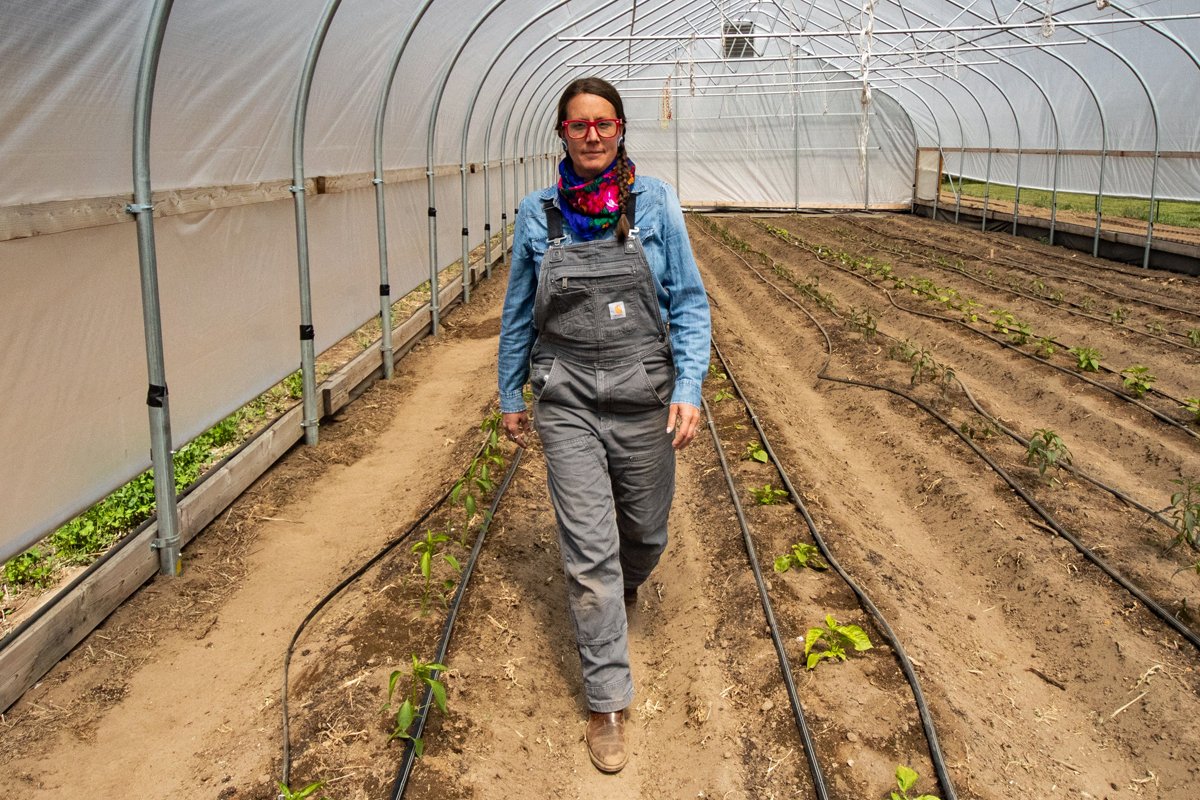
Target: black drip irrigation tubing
{"type": "Point", "coordinates": [1114, 491]}
{"type": "Point", "coordinates": [349, 579]}
{"type": "Point", "coordinates": [407, 760]}
{"type": "Point", "coordinates": [810, 750]}
{"type": "Point", "coordinates": [906, 666]}
{"type": "Point", "coordinates": [1058, 275]}
{"type": "Point", "coordinates": [1007, 345]}
{"type": "Point", "coordinates": [1069, 307]}
{"type": "Point", "coordinates": [1160, 612]}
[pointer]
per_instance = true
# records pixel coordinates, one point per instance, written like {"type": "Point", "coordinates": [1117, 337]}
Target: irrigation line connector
{"type": "Point", "coordinates": [139, 208]}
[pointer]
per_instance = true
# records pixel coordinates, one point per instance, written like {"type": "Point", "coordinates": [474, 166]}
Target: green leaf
{"type": "Point", "coordinates": [783, 563]}
{"type": "Point", "coordinates": [405, 717]}
{"type": "Point", "coordinates": [906, 778]}
{"type": "Point", "coordinates": [392, 683]}
{"type": "Point", "coordinates": [469, 504]}
{"type": "Point", "coordinates": [426, 562]}
{"type": "Point", "coordinates": [811, 638]}
{"type": "Point", "coordinates": [813, 658]}
{"type": "Point", "coordinates": [856, 636]}
{"type": "Point", "coordinates": [418, 746]}
{"type": "Point", "coordinates": [452, 561]}
{"type": "Point", "coordinates": [439, 695]}
{"type": "Point", "coordinates": [760, 456]}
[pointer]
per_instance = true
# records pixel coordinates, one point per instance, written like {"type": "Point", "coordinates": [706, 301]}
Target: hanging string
{"type": "Point", "coordinates": [1048, 20]}
{"type": "Point", "coordinates": [664, 112]}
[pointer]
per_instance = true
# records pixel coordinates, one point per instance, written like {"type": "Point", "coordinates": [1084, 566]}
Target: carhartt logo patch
{"type": "Point", "coordinates": [616, 310]}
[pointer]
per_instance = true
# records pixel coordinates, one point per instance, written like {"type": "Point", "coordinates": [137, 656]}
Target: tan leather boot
{"type": "Point", "coordinates": [605, 737]}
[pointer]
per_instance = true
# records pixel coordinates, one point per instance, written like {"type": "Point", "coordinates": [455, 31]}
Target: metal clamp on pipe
{"type": "Point", "coordinates": [138, 208]}
{"type": "Point", "coordinates": [164, 544]}
{"type": "Point", "coordinates": [294, 189]}
{"type": "Point", "coordinates": [377, 181]}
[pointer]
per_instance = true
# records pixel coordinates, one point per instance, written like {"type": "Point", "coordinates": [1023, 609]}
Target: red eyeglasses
{"type": "Point", "coordinates": [578, 128]}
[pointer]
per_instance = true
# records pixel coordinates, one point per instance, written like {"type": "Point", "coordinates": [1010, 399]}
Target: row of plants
{"type": "Point", "coordinates": [89, 535]}
{"type": "Point", "coordinates": [1037, 288]}
{"type": "Point", "coordinates": [831, 641]}
{"type": "Point", "coordinates": [437, 566]}
{"type": "Point", "coordinates": [1136, 379]}
{"type": "Point", "coordinates": [1046, 450]}
{"type": "Point", "coordinates": [84, 538]}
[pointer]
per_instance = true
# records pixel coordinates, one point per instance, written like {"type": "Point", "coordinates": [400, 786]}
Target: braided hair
{"type": "Point", "coordinates": [604, 89]}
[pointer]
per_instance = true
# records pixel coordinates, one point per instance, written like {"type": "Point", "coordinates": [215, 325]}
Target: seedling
{"type": "Point", "coordinates": [755, 452]}
{"type": "Point", "coordinates": [1045, 347]}
{"type": "Point", "coordinates": [723, 394]}
{"type": "Point", "coordinates": [1193, 337]}
{"type": "Point", "coordinates": [1119, 314]}
{"type": "Point", "coordinates": [836, 638]}
{"type": "Point", "coordinates": [1156, 328]}
{"type": "Point", "coordinates": [1087, 303]}
{"type": "Point", "coordinates": [715, 372]}
{"type": "Point", "coordinates": [865, 321]}
{"type": "Point", "coordinates": [768, 495]}
{"type": "Point", "coordinates": [1185, 512]}
{"type": "Point", "coordinates": [477, 482]}
{"type": "Point", "coordinates": [1046, 450]}
{"type": "Point", "coordinates": [1137, 379]}
{"type": "Point", "coordinates": [906, 778]}
{"type": "Point", "coordinates": [1087, 358]}
{"type": "Point", "coordinates": [969, 311]}
{"type": "Point", "coordinates": [985, 430]}
{"type": "Point", "coordinates": [802, 555]}
{"type": "Point", "coordinates": [420, 675]}
{"type": "Point", "coordinates": [1019, 332]}
{"type": "Point", "coordinates": [1192, 406]}
{"type": "Point", "coordinates": [299, 794]}
{"type": "Point", "coordinates": [921, 362]}
{"type": "Point", "coordinates": [1003, 321]}
{"type": "Point", "coordinates": [429, 549]}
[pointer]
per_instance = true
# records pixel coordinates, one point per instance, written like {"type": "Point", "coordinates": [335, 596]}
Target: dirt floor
{"type": "Point", "coordinates": [1044, 678]}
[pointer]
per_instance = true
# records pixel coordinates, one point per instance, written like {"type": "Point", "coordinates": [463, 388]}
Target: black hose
{"type": "Point", "coordinates": [935, 750]}
{"type": "Point", "coordinates": [406, 763]}
{"type": "Point", "coordinates": [353, 576]}
{"type": "Point", "coordinates": [1086, 552]}
{"type": "Point", "coordinates": [1059, 275]}
{"type": "Point", "coordinates": [810, 750]}
{"type": "Point", "coordinates": [1007, 345]}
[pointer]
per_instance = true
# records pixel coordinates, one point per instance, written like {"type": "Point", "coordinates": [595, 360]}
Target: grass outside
{"type": "Point", "coordinates": [1170, 212]}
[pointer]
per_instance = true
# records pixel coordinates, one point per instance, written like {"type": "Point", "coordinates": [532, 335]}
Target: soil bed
{"type": "Point", "coordinates": [1045, 679]}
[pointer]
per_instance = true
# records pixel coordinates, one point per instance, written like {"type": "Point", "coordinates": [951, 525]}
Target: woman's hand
{"type": "Point", "coordinates": [516, 426]}
{"type": "Point", "coordinates": [684, 420]}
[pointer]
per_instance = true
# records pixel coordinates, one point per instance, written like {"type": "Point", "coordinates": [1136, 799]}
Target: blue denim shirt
{"type": "Point", "coordinates": [681, 296]}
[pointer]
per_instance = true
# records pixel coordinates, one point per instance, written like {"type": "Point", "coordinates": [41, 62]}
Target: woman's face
{"type": "Point", "coordinates": [590, 155]}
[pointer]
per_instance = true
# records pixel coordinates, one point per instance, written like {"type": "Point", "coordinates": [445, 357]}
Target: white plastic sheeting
{"type": "Point", "coordinates": [784, 125]}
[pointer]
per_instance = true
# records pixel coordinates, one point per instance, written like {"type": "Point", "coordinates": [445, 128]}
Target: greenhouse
{"type": "Point", "coordinates": [937, 534]}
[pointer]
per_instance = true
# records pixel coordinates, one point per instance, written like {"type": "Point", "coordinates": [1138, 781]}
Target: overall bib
{"type": "Point", "coordinates": [602, 375]}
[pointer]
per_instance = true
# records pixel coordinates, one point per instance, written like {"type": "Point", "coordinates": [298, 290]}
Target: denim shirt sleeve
{"type": "Point", "coordinates": [687, 303]}
{"type": "Point", "coordinates": [681, 293]}
{"type": "Point", "coordinates": [517, 333]}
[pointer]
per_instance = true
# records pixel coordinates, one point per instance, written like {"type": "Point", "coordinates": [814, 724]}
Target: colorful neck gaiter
{"type": "Point", "coordinates": [590, 206]}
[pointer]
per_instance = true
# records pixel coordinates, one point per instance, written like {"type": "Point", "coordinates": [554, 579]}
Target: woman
{"type": "Point", "coordinates": [607, 319]}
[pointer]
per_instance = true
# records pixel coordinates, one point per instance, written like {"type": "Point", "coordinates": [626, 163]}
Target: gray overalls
{"type": "Point", "coordinates": [602, 376]}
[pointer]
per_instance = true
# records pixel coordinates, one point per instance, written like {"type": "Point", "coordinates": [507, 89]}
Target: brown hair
{"type": "Point", "coordinates": [604, 89]}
